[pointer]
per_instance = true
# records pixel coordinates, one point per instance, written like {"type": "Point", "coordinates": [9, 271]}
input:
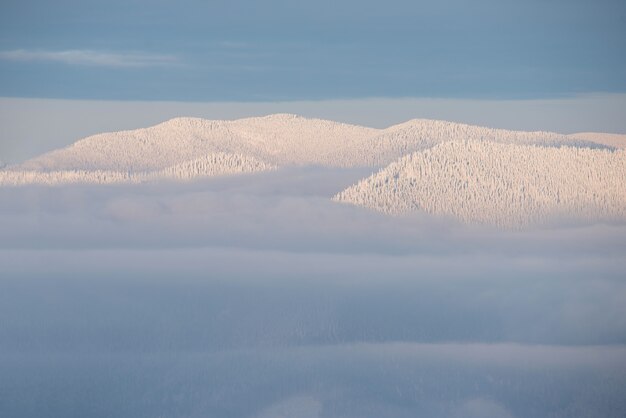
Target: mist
{"type": "Point", "coordinates": [258, 296]}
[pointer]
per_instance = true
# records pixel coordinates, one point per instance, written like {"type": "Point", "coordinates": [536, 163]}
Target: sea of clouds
{"type": "Point", "coordinates": [257, 296]}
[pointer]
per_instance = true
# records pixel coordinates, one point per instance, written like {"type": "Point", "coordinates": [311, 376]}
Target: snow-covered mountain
{"type": "Point", "coordinates": [420, 134]}
{"type": "Point", "coordinates": [216, 164]}
{"type": "Point", "coordinates": [276, 139]}
{"type": "Point", "coordinates": [475, 173]}
{"type": "Point", "coordinates": [280, 139]}
{"type": "Point", "coordinates": [503, 184]}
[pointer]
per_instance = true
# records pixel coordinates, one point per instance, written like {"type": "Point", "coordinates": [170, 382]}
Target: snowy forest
{"type": "Point", "coordinates": [475, 174]}
{"type": "Point", "coordinates": [501, 184]}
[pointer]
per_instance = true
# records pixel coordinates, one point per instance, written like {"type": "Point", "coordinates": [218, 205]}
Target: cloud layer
{"type": "Point", "coordinates": [259, 297]}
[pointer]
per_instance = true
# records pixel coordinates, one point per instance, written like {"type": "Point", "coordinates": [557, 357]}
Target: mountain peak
{"type": "Point", "coordinates": [281, 139]}
{"type": "Point", "coordinates": [282, 116]}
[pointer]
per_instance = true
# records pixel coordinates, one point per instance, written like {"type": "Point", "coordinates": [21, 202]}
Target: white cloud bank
{"type": "Point", "coordinates": [256, 296]}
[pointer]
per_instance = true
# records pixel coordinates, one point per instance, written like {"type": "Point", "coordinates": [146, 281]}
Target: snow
{"type": "Point", "coordinates": [217, 164]}
{"type": "Point", "coordinates": [476, 174]}
{"type": "Point", "coordinates": [283, 140]}
{"type": "Point", "coordinates": [501, 184]}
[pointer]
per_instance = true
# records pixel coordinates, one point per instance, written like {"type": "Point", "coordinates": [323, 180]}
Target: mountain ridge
{"type": "Point", "coordinates": [278, 139]}
{"type": "Point", "coordinates": [507, 185]}
{"type": "Point", "coordinates": [475, 174]}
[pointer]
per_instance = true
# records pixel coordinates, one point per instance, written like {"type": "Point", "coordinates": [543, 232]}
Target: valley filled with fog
{"type": "Point", "coordinates": [258, 295]}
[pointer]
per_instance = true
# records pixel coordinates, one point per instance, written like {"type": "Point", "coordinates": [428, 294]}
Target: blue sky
{"type": "Point", "coordinates": [533, 65]}
{"type": "Point", "coordinates": [292, 50]}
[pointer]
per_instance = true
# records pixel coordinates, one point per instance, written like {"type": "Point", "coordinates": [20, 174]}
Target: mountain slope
{"type": "Point", "coordinates": [501, 184]}
{"type": "Point", "coordinates": [216, 164]}
{"type": "Point", "coordinates": [420, 134]}
{"type": "Point", "coordinates": [276, 139]}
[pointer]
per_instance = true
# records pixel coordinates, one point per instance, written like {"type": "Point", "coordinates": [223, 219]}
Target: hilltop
{"type": "Point", "coordinates": [501, 184]}
{"type": "Point", "coordinates": [281, 139]}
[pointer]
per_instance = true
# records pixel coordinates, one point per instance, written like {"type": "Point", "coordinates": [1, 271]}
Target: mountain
{"type": "Point", "coordinates": [502, 184]}
{"type": "Point", "coordinates": [187, 148]}
{"type": "Point", "coordinates": [276, 139]}
{"type": "Point", "coordinates": [280, 139]}
{"type": "Point", "coordinates": [217, 164]}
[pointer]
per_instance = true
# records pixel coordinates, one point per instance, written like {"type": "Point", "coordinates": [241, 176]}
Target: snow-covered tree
{"type": "Point", "coordinates": [502, 184]}
{"type": "Point", "coordinates": [277, 139]}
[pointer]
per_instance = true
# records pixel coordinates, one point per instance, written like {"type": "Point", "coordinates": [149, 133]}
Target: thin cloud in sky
{"type": "Point", "coordinates": [91, 58]}
{"type": "Point", "coordinates": [250, 51]}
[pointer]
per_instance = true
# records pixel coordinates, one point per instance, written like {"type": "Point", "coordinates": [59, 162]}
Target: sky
{"type": "Point", "coordinates": [70, 68]}
{"type": "Point", "coordinates": [311, 50]}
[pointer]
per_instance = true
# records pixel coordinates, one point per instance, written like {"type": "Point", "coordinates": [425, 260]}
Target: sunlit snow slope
{"type": "Point", "coordinates": [501, 184]}
{"type": "Point", "coordinates": [216, 164]}
{"type": "Point", "coordinates": [276, 139]}
{"type": "Point", "coordinates": [474, 173]}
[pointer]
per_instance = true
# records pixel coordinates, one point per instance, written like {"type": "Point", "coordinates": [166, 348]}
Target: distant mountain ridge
{"type": "Point", "coordinates": [476, 174]}
{"type": "Point", "coordinates": [281, 139]}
